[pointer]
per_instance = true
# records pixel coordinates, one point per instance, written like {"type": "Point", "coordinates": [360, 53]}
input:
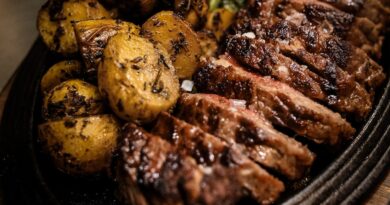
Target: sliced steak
{"type": "Point", "coordinates": [297, 37]}
{"type": "Point", "coordinates": [208, 149]}
{"type": "Point", "coordinates": [151, 171]}
{"type": "Point", "coordinates": [338, 89]}
{"type": "Point", "coordinates": [378, 11]}
{"type": "Point", "coordinates": [336, 22]}
{"type": "Point", "coordinates": [276, 101]}
{"type": "Point", "coordinates": [368, 36]}
{"type": "Point", "coordinates": [313, 40]}
{"type": "Point", "coordinates": [215, 114]}
{"type": "Point", "coordinates": [350, 6]}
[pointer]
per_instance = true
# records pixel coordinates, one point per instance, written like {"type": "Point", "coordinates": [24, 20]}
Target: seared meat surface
{"type": "Point", "coordinates": [288, 69]}
{"type": "Point", "coordinates": [150, 171]}
{"type": "Point", "coordinates": [208, 149]}
{"type": "Point", "coordinates": [331, 85]}
{"type": "Point", "coordinates": [276, 101]}
{"type": "Point", "coordinates": [261, 142]}
{"type": "Point", "coordinates": [181, 164]}
{"type": "Point", "coordinates": [295, 36]}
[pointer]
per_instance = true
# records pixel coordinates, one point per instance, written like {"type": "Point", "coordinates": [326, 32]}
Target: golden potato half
{"type": "Point", "coordinates": [137, 77]}
{"type": "Point", "coordinates": [80, 146]}
{"type": "Point", "coordinates": [219, 20]}
{"type": "Point", "coordinates": [60, 72]}
{"type": "Point", "coordinates": [177, 37]}
{"type": "Point", "coordinates": [55, 22]}
{"type": "Point", "coordinates": [92, 37]}
{"type": "Point", "coordinates": [72, 98]}
{"type": "Point", "coordinates": [193, 11]}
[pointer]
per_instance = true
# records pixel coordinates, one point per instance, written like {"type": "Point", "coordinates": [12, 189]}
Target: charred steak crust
{"type": "Point", "coordinates": [275, 101]}
{"type": "Point", "coordinates": [321, 80]}
{"type": "Point", "coordinates": [171, 168]}
{"type": "Point", "coordinates": [209, 150]}
{"type": "Point", "coordinates": [297, 54]}
{"type": "Point", "coordinates": [261, 142]}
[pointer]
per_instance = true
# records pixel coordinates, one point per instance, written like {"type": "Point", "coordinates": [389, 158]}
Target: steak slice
{"type": "Point", "coordinates": [338, 89]}
{"type": "Point", "coordinates": [208, 149]}
{"type": "Point", "coordinates": [297, 37]}
{"type": "Point", "coordinates": [215, 114]}
{"type": "Point", "coordinates": [368, 36]}
{"type": "Point", "coordinates": [292, 37]}
{"type": "Point", "coordinates": [276, 101]}
{"type": "Point", "coordinates": [377, 11]}
{"type": "Point", "coordinates": [350, 6]}
{"type": "Point", "coordinates": [151, 171]}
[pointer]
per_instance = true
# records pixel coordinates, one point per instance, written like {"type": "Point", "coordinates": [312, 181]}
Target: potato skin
{"type": "Point", "coordinates": [137, 78]}
{"type": "Point", "coordinates": [72, 98]}
{"type": "Point", "coordinates": [219, 20]}
{"type": "Point", "coordinates": [60, 72]}
{"type": "Point", "coordinates": [80, 146]}
{"type": "Point", "coordinates": [193, 11]}
{"type": "Point", "coordinates": [177, 37]}
{"type": "Point", "coordinates": [92, 37]}
{"type": "Point", "coordinates": [55, 22]}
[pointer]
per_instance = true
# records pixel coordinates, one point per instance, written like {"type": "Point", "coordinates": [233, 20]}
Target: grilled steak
{"type": "Point", "coordinates": [299, 39]}
{"type": "Point", "coordinates": [350, 6]}
{"type": "Point", "coordinates": [331, 86]}
{"type": "Point", "coordinates": [276, 101]}
{"type": "Point", "coordinates": [338, 23]}
{"type": "Point", "coordinates": [262, 143]}
{"type": "Point", "coordinates": [208, 149]}
{"type": "Point", "coordinates": [152, 171]}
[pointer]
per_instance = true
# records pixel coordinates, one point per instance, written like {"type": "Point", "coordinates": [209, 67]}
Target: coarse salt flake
{"type": "Point", "coordinates": [187, 85]}
{"type": "Point", "coordinates": [250, 35]}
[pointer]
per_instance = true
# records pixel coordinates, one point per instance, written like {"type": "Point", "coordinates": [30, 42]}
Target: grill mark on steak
{"type": "Point", "coordinates": [275, 101]}
{"type": "Point", "coordinates": [151, 171]}
{"type": "Point", "coordinates": [322, 80]}
{"type": "Point", "coordinates": [262, 143]}
{"type": "Point", "coordinates": [296, 30]}
{"type": "Point", "coordinates": [350, 6]}
{"type": "Point", "coordinates": [342, 24]}
{"type": "Point", "coordinates": [208, 149]}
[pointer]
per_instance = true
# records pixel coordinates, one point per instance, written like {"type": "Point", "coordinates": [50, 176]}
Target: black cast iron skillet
{"type": "Point", "coordinates": [28, 177]}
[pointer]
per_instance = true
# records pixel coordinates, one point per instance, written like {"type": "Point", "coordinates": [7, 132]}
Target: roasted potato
{"type": "Point", "coordinates": [55, 22]}
{"type": "Point", "coordinates": [60, 72]}
{"type": "Point", "coordinates": [72, 98]}
{"type": "Point", "coordinates": [219, 20]}
{"type": "Point", "coordinates": [177, 37]}
{"type": "Point", "coordinates": [137, 78]}
{"type": "Point", "coordinates": [193, 11]}
{"type": "Point", "coordinates": [80, 146]}
{"type": "Point", "coordinates": [208, 43]}
{"type": "Point", "coordinates": [92, 37]}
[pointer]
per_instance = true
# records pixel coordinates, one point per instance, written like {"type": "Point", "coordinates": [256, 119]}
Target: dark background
{"type": "Point", "coordinates": [17, 34]}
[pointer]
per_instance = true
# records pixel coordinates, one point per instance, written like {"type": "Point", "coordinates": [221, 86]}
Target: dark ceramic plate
{"type": "Point", "coordinates": [27, 176]}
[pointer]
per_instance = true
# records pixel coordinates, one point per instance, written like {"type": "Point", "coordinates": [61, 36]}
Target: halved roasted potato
{"type": "Point", "coordinates": [60, 72]}
{"type": "Point", "coordinates": [137, 77]}
{"type": "Point", "coordinates": [219, 20]}
{"type": "Point", "coordinates": [80, 146]}
{"type": "Point", "coordinates": [55, 22]}
{"type": "Point", "coordinates": [177, 37]}
{"type": "Point", "coordinates": [72, 98]}
{"type": "Point", "coordinates": [92, 37]}
{"type": "Point", "coordinates": [193, 11]}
